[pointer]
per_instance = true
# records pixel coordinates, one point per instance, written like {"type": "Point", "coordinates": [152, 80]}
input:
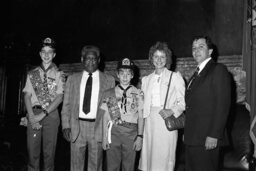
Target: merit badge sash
{"type": "Point", "coordinates": [113, 108]}
{"type": "Point", "coordinates": [40, 88]}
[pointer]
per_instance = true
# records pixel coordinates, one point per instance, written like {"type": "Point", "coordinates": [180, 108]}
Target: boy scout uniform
{"type": "Point", "coordinates": [44, 86]}
{"type": "Point", "coordinates": [123, 107]}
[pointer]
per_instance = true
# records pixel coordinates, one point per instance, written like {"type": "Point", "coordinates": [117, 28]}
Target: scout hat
{"type": "Point", "coordinates": [125, 63]}
{"type": "Point", "coordinates": [48, 42]}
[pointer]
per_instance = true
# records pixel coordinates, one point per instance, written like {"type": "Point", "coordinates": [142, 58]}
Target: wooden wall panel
{"type": "Point", "coordinates": [185, 66]}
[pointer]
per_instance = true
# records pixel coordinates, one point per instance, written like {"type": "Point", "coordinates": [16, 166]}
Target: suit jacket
{"type": "Point", "coordinates": [207, 105]}
{"type": "Point", "coordinates": [70, 108]}
{"type": "Point", "coordinates": [175, 100]}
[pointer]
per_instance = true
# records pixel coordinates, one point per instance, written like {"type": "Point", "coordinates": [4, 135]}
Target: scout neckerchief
{"type": "Point", "coordinates": [124, 96]}
{"type": "Point", "coordinates": [45, 76]}
{"type": "Point", "coordinates": [41, 87]}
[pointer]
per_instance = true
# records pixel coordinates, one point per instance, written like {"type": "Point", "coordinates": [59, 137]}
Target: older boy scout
{"type": "Point", "coordinates": [43, 93]}
{"type": "Point", "coordinates": [123, 121]}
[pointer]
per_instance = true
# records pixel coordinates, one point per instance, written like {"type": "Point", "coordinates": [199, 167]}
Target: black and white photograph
{"type": "Point", "coordinates": [128, 85]}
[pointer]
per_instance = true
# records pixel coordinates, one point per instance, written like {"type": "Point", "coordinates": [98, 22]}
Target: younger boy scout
{"type": "Point", "coordinates": [43, 93]}
{"type": "Point", "coordinates": [123, 121]}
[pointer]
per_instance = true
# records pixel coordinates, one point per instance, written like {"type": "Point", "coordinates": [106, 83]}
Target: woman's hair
{"type": "Point", "coordinates": [163, 47]}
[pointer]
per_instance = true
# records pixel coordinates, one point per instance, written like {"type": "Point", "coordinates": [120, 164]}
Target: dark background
{"type": "Point", "coordinates": [121, 28]}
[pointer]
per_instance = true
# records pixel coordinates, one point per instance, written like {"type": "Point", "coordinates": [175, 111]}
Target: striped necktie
{"type": "Point", "coordinates": [193, 78]}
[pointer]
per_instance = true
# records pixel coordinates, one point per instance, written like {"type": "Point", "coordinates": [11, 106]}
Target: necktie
{"type": "Point", "coordinates": [87, 95]}
{"type": "Point", "coordinates": [124, 97]}
{"type": "Point", "coordinates": [193, 77]}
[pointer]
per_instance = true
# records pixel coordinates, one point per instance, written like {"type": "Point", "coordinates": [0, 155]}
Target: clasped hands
{"type": "Point", "coordinates": [34, 120]}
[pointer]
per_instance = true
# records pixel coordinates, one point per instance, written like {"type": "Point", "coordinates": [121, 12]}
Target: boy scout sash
{"type": "Point", "coordinates": [40, 88]}
{"type": "Point", "coordinates": [113, 108]}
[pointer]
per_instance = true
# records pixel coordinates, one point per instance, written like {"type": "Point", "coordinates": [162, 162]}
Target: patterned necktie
{"type": "Point", "coordinates": [87, 95]}
{"type": "Point", "coordinates": [193, 78]}
{"type": "Point", "coordinates": [124, 97]}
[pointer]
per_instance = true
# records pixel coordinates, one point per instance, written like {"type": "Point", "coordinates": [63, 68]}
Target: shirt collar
{"type": "Point", "coordinates": [158, 75]}
{"type": "Point", "coordinates": [52, 65]}
{"type": "Point", "coordinates": [202, 65]}
{"type": "Point", "coordinates": [93, 74]}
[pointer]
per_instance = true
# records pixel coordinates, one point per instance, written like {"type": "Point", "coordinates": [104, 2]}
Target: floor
{"type": "Point", "coordinates": [13, 152]}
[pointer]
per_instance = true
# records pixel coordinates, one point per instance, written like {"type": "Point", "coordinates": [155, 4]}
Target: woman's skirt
{"type": "Point", "coordinates": [159, 144]}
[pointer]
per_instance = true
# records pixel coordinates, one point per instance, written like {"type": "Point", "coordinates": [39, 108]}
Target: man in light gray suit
{"type": "Point", "coordinates": [81, 116]}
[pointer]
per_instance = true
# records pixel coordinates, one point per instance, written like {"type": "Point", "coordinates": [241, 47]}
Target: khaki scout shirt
{"type": "Point", "coordinates": [130, 107]}
{"type": "Point", "coordinates": [55, 83]}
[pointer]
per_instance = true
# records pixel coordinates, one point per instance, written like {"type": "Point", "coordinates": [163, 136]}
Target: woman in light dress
{"type": "Point", "coordinates": [159, 144]}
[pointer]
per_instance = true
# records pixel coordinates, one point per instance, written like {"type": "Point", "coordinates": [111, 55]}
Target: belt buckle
{"type": "Point", "coordinates": [37, 107]}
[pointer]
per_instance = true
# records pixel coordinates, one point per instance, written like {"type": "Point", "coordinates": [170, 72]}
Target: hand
{"type": "Point", "coordinates": [66, 133]}
{"type": "Point", "coordinates": [165, 113]}
{"type": "Point", "coordinates": [24, 121]}
{"type": "Point", "coordinates": [31, 118]}
{"type": "Point", "coordinates": [210, 143]}
{"type": "Point", "coordinates": [137, 144]}
{"type": "Point", "coordinates": [105, 144]}
{"type": "Point", "coordinates": [36, 126]}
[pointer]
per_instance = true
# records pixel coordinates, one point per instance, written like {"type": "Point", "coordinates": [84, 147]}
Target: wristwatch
{"type": "Point", "coordinates": [141, 136]}
{"type": "Point", "coordinates": [45, 112]}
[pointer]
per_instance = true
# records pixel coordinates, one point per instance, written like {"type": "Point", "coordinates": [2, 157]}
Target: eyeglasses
{"type": "Point", "coordinates": [88, 58]}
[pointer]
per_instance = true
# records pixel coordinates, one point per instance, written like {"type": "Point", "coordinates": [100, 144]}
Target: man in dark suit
{"type": "Point", "coordinates": [208, 98]}
{"type": "Point", "coordinates": [81, 115]}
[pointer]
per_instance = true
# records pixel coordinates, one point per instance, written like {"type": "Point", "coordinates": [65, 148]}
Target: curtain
{"type": "Point", "coordinates": [3, 84]}
{"type": "Point", "coordinates": [249, 63]}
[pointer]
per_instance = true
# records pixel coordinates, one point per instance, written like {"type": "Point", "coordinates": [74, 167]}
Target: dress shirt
{"type": "Point", "coordinates": [155, 94]}
{"type": "Point", "coordinates": [202, 65]}
{"type": "Point", "coordinates": [94, 97]}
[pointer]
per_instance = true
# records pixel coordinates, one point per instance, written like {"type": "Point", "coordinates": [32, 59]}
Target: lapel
{"type": "Point", "coordinates": [103, 85]}
{"type": "Point", "coordinates": [201, 76]}
{"type": "Point", "coordinates": [77, 86]}
{"type": "Point", "coordinates": [149, 86]}
{"type": "Point", "coordinates": [76, 91]}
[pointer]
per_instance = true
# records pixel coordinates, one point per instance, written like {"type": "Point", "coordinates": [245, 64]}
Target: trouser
{"type": "Point", "coordinates": [121, 148]}
{"type": "Point", "coordinates": [45, 137]}
{"type": "Point", "coordinates": [197, 158]}
{"type": "Point", "coordinates": [86, 139]}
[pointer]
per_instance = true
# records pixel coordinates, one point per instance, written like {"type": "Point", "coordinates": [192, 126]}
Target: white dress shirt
{"type": "Point", "coordinates": [94, 96]}
{"type": "Point", "coordinates": [155, 96]}
{"type": "Point", "coordinates": [202, 65]}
